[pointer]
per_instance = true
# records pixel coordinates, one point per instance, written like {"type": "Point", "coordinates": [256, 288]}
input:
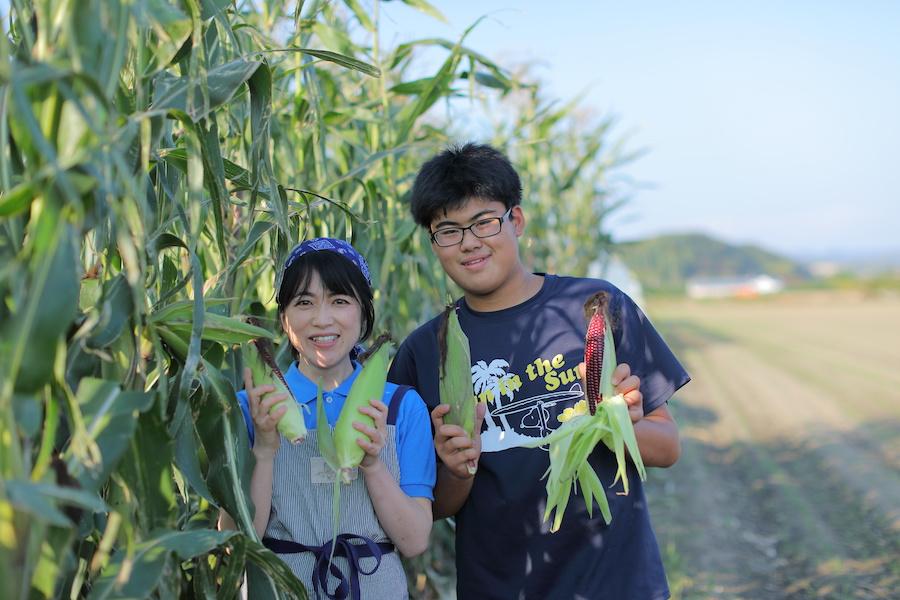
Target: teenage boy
{"type": "Point", "coordinates": [526, 334]}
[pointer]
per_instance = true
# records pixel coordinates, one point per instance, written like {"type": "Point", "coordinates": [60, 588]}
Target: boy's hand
{"type": "Point", "coordinates": [265, 420]}
{"type": "Point", "coordinates": [377, 435]}
{"type": "Point", "coordinates": [626, 384]}
{"type": "Point", "coordinates": [454, 447]}
{"type": "Point", "coordinates": [630, 387]}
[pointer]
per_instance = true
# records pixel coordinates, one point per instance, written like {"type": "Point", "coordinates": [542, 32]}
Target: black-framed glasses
{"type": "Point", "coordinates": [482, 228]}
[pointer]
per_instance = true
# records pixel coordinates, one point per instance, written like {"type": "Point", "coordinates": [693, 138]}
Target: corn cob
{"type": "Point", "coordinates": [456, 375]}
{"type": "Point", "coordinates": [609, 422]}
{"type": "Point", "coordinates": [259, 356]}
{"type": "Point", "coordinates": [369, 384]}
{"type": "Point", "coordinates": [339, 447]}
{"type": "Point", "coordinates": [593, 351]}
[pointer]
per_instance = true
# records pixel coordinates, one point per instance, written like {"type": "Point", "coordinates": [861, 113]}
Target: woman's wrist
{"type": "Point", "coordinates": [266, 453]}
{"type": "Point", "coordinates": [370, 470]}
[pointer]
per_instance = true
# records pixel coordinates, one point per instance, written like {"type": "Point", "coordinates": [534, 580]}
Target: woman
{"type": "Point", "coordinates": [325, 307]}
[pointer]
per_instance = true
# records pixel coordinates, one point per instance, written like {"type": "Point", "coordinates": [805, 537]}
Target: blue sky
{"type": "Point", "coordinates": [776, 123]}
{"type": "Point", "coordinates": [768, 122]}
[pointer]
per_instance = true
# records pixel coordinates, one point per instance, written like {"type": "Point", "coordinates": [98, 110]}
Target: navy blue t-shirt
{"type": "Point", "coordinates": [524, 364]}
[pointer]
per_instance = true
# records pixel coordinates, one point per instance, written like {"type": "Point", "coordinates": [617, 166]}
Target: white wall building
{"type": "Point", "coordinates": [734, 287]}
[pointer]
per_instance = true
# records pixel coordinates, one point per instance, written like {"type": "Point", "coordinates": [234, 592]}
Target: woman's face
{"type": "Point", "coordinates": [323, 327]}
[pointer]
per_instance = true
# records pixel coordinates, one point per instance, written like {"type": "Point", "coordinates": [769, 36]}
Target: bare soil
{"type": "Point", "coordinates": [789, 480]}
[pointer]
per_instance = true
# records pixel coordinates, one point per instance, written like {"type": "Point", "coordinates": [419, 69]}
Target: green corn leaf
{"type": "Point", "coordinates": [230, 571]}
{"type": "Point", "coordinates": [43, 500]}
{"type": "Point", "coordinates": [116, 309]}
{"type": "Point", "coordinates": [219, 328]}
{"type": "Point", "coordinates": [339, 59]}
{"type": "Point", "coordinates": [18, 199]}
{"type": "Point", "coordinates": [186, 455]}
{"type": "Point", "coordinates": [283, 582]}
{"type": "Point", "coordinates": [109, 416]}
{"type": "Point", "coordinates": [52, 300]}
{"type": "Point", "coordinates": [181, 310]}
{"type": "Point", "coordinates": [427, 8]}
{"type": "Point", "coordinates": [222, 82]}
{"type": "Point", "coordinates": [149, 475]}
{"type": "Point", "coordinates": [149, 561]}
{"type": "Point", "coordinates": [223, 432]}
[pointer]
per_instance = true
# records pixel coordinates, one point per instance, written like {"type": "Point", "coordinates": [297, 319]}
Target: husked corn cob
{"type": "Point", "coordinates": [339, 447]}
{"type": "Point", "coordinates": [369, 384]}
{"type": "Point", "coordinates": [455, 383]}
{"type": "Point", "coordinates": [259, 356]}
{"type": "Point", "coordinates": [606, 421]}
{"type": "Point", "coordinates": [593, 350]}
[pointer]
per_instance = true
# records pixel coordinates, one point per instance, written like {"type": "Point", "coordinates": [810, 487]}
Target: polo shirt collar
{"type": "Point", "coordinates": [304, 389]}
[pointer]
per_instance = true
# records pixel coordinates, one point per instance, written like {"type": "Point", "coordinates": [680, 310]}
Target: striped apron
{"type": "Point", "coordinates": [300, 529]}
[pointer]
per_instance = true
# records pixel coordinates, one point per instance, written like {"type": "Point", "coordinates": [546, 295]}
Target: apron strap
{"type": "Point", "coordinates": [345, 547]}
{"type": "Point", "coordinates": [396, 399]}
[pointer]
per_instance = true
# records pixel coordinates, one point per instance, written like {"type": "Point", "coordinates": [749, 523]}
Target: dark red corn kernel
{"type": "Point", "coordinates": [593, 359]}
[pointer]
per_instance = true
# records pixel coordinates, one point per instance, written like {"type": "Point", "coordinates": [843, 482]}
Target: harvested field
{"type": "Point", "coordinates": [789, 481]}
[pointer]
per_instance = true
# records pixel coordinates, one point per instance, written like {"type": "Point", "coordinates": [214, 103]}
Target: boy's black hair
{"type": "Point", "coordinates": [460, 173]}
{"type": "Point", "coordinates": [338, 275]}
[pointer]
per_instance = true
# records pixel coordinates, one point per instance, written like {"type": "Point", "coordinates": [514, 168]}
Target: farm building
{"type": "Point", "coordinates": [733, 287]}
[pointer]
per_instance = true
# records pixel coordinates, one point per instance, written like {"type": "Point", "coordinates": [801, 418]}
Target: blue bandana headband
{"type": "Point", "coordinates": [334, 245]}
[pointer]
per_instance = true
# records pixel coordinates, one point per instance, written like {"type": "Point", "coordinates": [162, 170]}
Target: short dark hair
{"type": "Point", "coordinates": [338, 275]}
{"type": "Point", "coordinates": [460, 173]}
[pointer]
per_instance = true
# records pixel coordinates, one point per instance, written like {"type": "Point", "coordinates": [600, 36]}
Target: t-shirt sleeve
{"type": "Point", "coordinates": [650, 358]}
{"type": "Point", "coordinates": [244, 403]}
{"type": "Point", "coordinates": [416, 365]}
{"type": "Point", "coordinates": [403, 367]}
{"type": "Point", "coordinates": [415, 448]}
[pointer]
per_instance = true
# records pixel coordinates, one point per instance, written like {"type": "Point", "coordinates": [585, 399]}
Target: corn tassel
{"type": "Point", "coordinates": [259, 356]}
{"type": "Point", "coordinates": [369, 384]}
{"type": "Point", "coordinates": [606, 420]}
{"type": "Point", "coordinates": [456, 375]}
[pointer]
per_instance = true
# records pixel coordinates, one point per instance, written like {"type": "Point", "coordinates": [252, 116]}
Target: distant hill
{"type": "Point", "coordinates": [664, 263]}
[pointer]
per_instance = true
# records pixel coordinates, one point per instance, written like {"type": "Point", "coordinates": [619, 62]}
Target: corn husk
{"type": "Point", "coordinates": [259, 356]}
{"type": "Point", "coordinates": [339, 447]}
{"type": "Point", "coordinates": [369, 384]}
{"type": "Point", "coordinates": [455, 384]}
{"type": "Point", "coordinates": [572, 443]}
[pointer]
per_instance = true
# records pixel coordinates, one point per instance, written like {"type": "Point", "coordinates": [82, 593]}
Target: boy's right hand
{"type": "Point", "coordinates": [454, 447]}
{"type": "Point", "coordinates": [267, 440]}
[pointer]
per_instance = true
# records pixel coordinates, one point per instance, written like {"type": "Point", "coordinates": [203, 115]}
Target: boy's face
{"type": "Point", "coordinates": [481, 265]}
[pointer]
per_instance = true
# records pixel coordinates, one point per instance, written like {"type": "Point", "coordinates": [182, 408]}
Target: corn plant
{"type": "Point", "coordinates": [159, 159]}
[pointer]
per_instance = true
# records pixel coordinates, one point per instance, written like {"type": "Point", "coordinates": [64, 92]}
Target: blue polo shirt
{"type": "Point", "coordinates": [415, 448]}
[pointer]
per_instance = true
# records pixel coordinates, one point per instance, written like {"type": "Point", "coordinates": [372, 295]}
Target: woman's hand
{"type": "Point", "coordinates": [377, 435]}
{"type": "Point", "coordinates": [265, 420]}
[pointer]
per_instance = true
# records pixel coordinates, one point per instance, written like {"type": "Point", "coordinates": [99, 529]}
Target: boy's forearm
{"type": "Point", "coordinates": [657, 437]}
{"type": "Point", "coordinates": [450, 493]}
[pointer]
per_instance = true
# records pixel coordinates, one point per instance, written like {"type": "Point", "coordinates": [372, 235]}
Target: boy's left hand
{"type": "Point", "coordinates": [630, 387]}
{"type": "Point", "coordinates": [377, 435]}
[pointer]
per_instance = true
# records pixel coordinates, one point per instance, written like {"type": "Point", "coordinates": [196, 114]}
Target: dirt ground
{"type": "Point", "coordinates": [789, 480]}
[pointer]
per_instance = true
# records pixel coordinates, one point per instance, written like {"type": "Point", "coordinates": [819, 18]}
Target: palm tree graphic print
{"type": "Point", "coordinates": [532, 417]}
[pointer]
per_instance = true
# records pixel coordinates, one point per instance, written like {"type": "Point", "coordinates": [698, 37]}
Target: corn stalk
{"type": "Point", "coordinates": [158, 160]}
